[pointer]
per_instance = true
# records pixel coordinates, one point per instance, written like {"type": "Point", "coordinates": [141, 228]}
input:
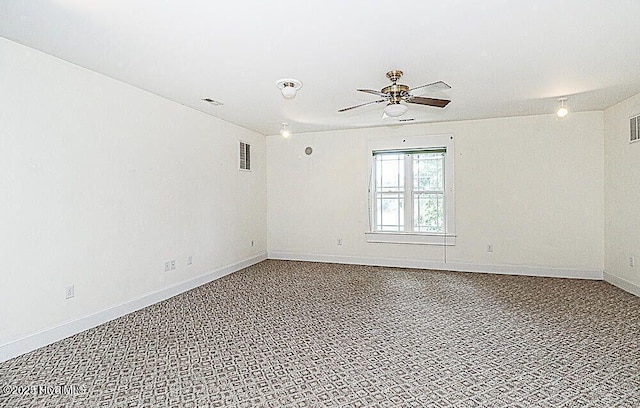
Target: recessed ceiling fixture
{"type": "Point", "coordinates": [289, 87]}
{"type": "Point", "coordinates": [562, 110]}
{"type": "Point", "coordinates": [284, 130]}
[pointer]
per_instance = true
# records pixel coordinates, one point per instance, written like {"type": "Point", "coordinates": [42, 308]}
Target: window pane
{"type": "Point", "coordinates": [428, 212]}
{"type": "Point", "coordinates": [390, 172]}
{"type": "Point", "coordinates": [390, 210]}
{"type": "Point", "coordinates": [428, 172]}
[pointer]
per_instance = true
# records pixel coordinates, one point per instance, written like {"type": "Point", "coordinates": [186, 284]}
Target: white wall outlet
{"type": "Point", "coordinates": [490, 248]}
{"type": "Point", "coordinates": [632, 261]}
{"type": "Point", "coordinates": [173, 264]}
{"type": "Point", "coordinates": [189, 259]}
{"type": "Point", "coordinates": [339, 241]}
{"type": "Point", "coordinates": [167, 266]}
{"type": "Point", "coordinates": [69, 292]}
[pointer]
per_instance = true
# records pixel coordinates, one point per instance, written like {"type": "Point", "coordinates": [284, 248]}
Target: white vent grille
{"type": "Point", "coordinates": [245, 156]}
{"type": "Point", "coordinates": [634, 128]}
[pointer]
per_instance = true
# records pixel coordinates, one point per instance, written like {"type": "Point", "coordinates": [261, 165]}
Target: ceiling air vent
{"type": "Point", "coordinates": [634, 128]}
{"type": "Point", "coordinates": [212, 101]}
{"type": "Point", "coordinates": [245, 156]}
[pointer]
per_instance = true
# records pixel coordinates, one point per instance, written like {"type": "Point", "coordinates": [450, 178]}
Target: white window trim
{"type": "Point", "coordinates": [411, 238]}
{"type": "Point", "coordinates": [416, 142]}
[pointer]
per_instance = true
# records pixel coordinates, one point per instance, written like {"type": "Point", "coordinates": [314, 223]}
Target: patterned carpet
{"type": "Point", "coordinates": [296, 334]}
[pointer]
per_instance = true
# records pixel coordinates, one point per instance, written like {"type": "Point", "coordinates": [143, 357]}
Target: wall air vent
{"type": "Point", "coordinates": [634, 128]}
{"type": "Point", "coordinates": [245, 156]}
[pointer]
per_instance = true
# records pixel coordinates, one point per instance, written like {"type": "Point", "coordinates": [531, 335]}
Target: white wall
{"type": "Point", "coordinates": [530, 186]}
{"type": "Point", "coordinates": [622, 197]}
{"type": "Point", "coordinates": [101, 183]}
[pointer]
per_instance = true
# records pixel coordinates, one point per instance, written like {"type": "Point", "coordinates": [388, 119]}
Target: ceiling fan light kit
{"type": "Point", "coordinates": [289, 87]}
{"type": "Point", "coordinates": [396, 93]}
{"type": "Point", "coordinates": [395, 109]}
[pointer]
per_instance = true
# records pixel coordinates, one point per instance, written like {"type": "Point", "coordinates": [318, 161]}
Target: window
{"type": "Point", "coordinates": [408, 192]}
{"type": "Point", "coordinates": [411, 191]}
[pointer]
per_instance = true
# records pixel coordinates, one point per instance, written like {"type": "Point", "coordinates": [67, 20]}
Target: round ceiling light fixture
{"type": "Point", "coordinates": [562, 110]}
{"type": "Point", "coordinates": [395, 109]}
{"type": "Point", "coordinates": [284, 130]}
{"type": "Point", "coordinates": [289, 87]}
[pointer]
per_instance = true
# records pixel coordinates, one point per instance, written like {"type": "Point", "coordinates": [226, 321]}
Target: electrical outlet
{"type": "Point", "coordinates": [190, 260]}
{"type": "Point", "coordinates": [173, 264]}
{"type": "Point", "coordinates": [167, 266]}
{"type": "Point", "coordinates": [339, 241]}
{"type": "Point", "coordinates": [490, 248]}
{"type": "Point", "coordinates": [69, 292]}
{"type": "Point", "coordinates": [632, 261]}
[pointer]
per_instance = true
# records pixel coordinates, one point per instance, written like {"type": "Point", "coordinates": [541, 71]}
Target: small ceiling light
{"type": "Point", "coordinates": [395, 109]}
{"type": "Point", "coordinates": [289, 87]}
{"type": "Point", "coordinates": [284, 131]}
{"type": "Point", "coordinates": [562, 110]}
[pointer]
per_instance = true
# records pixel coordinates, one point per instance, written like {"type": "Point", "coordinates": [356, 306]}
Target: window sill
{"type": "Point", "coordinates": [410, 238]}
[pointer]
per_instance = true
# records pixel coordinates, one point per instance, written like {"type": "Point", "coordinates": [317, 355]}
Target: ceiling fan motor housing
{"type": "Point", "coordinates": [396, 91]}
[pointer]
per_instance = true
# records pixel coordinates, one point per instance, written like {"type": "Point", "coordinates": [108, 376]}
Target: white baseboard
{"type": "Point", "coordinates": [51, 335]}
{"type": "Point", "coordinates": [448, 266]}
{"type": "Point", "coordinates": [622, 283]}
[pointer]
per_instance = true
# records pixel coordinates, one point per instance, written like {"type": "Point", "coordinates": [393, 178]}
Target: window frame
{"type": "Point", "coordinates": [416, 143]}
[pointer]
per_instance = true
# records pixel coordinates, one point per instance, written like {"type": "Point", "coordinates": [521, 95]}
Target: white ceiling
{"type": "Point", "coordinates": [502, 58]}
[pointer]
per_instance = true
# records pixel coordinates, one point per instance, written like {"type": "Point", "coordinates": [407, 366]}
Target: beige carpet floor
{"type": "Point", "coordinates": [296, 334]}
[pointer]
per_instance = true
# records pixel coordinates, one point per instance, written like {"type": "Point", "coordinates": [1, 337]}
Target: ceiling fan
{"type": "Point", "coordinates": [396, 93]}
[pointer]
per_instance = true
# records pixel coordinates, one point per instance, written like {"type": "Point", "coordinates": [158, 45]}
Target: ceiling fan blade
{"type": "Point", "coordinates": [362, 104]}
{"type": "Point", "coordinates": [432, 87]}
{"type": "Point", "coordinates": [438, 103]}
{"type": "Point", "coordinates": [373, 91]}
